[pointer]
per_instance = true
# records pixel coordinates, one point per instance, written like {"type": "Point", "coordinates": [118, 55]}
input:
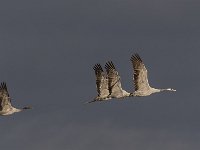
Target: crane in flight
{"type": "Point", "coordinates": [5, 102]}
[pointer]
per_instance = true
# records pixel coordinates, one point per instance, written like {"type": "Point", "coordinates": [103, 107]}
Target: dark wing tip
{"type": "Point", "coordinates": [109, 65]}
{"type": "Point", "coordinates": [3, 86]}
{"type": "Point", "coordinates": [136, 57]}
{"type": "Point", "coordinates": [97, 68]}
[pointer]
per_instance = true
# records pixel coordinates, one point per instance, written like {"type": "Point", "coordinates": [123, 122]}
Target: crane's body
{"type": "Point", "coordinates": [109, 84]}
{"type": "Point", "coordinates": [5, 102]}
{"type": "Point", "coordinates": [140, 79]}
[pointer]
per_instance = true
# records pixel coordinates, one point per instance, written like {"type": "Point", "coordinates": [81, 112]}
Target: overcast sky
{"type": "Point", "coordinates": [48, 49]}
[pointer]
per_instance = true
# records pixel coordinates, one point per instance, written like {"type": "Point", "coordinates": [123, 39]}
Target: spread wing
{"type": "Point", "coordinates": [101, 81]}
{"type": "Point", "coordinates": [5, 101]}
{"type": "Point", "coordinates": [140, 73]}
{"type": "Point", "coordinates": [114, 83]}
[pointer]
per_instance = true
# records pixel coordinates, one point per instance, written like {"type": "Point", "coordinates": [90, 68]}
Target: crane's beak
{"type": "Point", "coordinates": [173, 90]}
{"type": "Point", "coordinates": [27, 107]}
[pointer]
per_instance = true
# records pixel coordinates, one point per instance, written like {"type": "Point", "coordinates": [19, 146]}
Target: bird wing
{"type": "Point", "coordinates": [114, 83]}
{"type": "Point", "coordinates": [101, 81]}
{"type": "Point", "coordinates": [5, 101]}
{"type": "Point", "coordinates": [140, 73]}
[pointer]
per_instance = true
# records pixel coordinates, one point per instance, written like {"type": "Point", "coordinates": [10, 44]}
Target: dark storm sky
{"type": "Point", "coordinates": [48, 49]}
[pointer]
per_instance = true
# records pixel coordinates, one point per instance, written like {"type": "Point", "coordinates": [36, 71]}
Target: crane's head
{"type": "Point", "coordinates": [170, 89]}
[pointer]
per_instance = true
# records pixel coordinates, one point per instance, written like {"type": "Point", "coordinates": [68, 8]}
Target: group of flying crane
{"type": "Point", "coordinates": [108, 85]}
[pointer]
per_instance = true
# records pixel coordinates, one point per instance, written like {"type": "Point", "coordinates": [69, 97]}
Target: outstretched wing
{"type": "Point", "coordinates": [5, 101]}
{"type": "Point", "coordinates": [114, 83]}
{"type": "Point", "coordinates": [101, 81]}
{"type": "Point", "coordinates": [140, 73]}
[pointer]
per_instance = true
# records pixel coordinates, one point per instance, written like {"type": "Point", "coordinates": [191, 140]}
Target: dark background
{"type": "Point", "coordinates": [48, 49]}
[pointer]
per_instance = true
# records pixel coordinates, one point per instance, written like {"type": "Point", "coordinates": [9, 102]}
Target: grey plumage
{"type": "Point", "coordinates": [140, 78]}
{"type": "Point", "coordinates": [108, 83]}
{"type": "Point", "coordinates": [101, 81]}
{"type": "Point", "coordinates": [114, 82]}
{"type": "Point", "coordinates": [109, 86]}
{"type": "Point", "coordinates": [101, 84]}
{"type": "Point", "coordinates": [5, 102]}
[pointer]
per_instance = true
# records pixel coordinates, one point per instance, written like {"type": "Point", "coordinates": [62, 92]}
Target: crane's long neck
{"type": "Point", "coordinates": [21, 109]}
{"type": "Point", "coordinates": [160, 90]}
{"type": "Point", "coordinates": [168, 89]}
